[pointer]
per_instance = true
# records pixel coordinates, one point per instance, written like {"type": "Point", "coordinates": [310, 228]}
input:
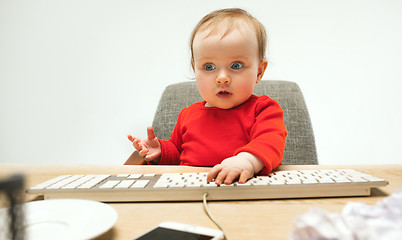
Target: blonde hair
{"type": "Point", "coordinates": [233, 16]}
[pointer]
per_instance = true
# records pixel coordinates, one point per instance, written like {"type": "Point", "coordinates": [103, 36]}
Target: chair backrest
{"type": "Point", "coordinates": [300, 146]}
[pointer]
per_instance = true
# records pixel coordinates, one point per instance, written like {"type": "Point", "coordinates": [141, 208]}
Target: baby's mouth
{"type": "Point", "coordinates": [224, 93]}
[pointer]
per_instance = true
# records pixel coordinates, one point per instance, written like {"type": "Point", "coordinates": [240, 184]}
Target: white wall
{"type": "Point", "coordinates": [76, 76]}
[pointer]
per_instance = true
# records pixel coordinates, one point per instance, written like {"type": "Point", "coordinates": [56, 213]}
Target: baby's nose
{"type": "Point", "coordinates": [223, 78]}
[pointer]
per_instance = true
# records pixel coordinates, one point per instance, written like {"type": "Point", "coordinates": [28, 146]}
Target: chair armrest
{"type": "Point", "coordinates": [135, 159]}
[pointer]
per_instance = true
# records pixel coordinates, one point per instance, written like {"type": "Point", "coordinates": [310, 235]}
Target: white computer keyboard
{"type": "Point", "coordinates": [192, 186]}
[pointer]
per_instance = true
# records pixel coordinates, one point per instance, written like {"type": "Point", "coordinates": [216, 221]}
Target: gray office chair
{"type": "Point", "coordinates": [300, 146]}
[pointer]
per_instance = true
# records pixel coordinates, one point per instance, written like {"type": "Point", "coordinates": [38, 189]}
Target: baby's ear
{"type": "Point", "coordinates": [261, 69]}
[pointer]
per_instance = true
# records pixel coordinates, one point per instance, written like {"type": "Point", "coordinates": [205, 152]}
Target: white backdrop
{"type": "Point", "coordinates": [77, 76]}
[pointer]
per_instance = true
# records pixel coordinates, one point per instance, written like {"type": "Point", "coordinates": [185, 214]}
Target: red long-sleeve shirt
{"type": "Point", "coordinates": [205, 136]}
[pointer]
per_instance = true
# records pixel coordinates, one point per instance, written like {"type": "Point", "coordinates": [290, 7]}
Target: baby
{"type": "Point", "coordinates": [236, 132]}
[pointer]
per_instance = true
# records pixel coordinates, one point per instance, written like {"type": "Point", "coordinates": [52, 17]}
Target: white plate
{"type": "Point", "coordinates": [65, 219]}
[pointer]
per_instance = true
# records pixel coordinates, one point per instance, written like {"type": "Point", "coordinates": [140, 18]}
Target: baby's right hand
{"type": "Point", "coordinates": [149, 148]}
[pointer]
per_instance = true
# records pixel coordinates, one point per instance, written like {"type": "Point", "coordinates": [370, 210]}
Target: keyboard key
{"type": "Point", "coordinates": [123, 175]}
{"type": "Point", "coordinates": [277, 182]}
{"type": "Point", "coordinates": [161, 185]}
{"type": "Point", "coordinates": [358, 179]}
{"type": "Point", "coordinates": [135, 176]}
{"type": "Point", "coordinates": [125, 184]}
{"type": "Point", "coordinates": [50, 182]}
{"type": "Point", "coordinates": [210, 184]}
{"type": "Point", "coordinates": [109, 184]}
{"type": "Point", "coordinates": [228, 185]}
{"type": "Point", "coordinates": [246, 184]}
{"type": "Point", "coordinates": [325, 180]}
{"type": "Point", "coordinates": [140, 184]}
{"type": "Point", "coordinates": [342, 180]}
{"type": "Point", "coordinates": [309, 181]}
{"type": "Point", "coordinates": [65, 181]}
{"type": "Point", "coordinates": [293, 181]}
{"type": "Point", "coordinates": [177, 185]}
{"type": "Point", "coordinates": [194, 185]}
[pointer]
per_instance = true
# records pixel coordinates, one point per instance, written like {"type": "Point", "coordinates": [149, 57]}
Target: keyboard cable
{"type": "Point", "coordinates": [204, 200]}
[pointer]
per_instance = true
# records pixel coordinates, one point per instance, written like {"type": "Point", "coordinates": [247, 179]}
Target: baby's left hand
{"type": "Point", "coordinates": [243, 166]}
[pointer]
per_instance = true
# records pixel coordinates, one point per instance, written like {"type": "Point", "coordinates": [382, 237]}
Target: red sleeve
{"type": "Point", "coordinates": [267, 135]}
{"type": "Point", "coordinates": [170, 154]}
{"type": "Point", "coordinates": [171, 149]}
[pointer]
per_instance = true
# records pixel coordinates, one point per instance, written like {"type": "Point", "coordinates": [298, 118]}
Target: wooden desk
{"type": "Point", "coordinates": [262, 219]}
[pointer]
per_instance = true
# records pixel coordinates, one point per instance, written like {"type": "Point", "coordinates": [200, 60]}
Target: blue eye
{"type": "Point", "coordinates": [209, 67]}
{"type": "Point", "coordinates": [236, 66]}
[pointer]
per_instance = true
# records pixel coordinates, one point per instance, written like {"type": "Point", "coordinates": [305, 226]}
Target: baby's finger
{"type": "Point", "coordinates": [221, 176]}
{"type": "Point", "coordinates": [151, 133]}
{"type": "Point", "coordinates": [243, 177]}
{"type": "Point", "coordinates": [131, 138]}
{"type": "Point", "coordinates": [136, 144]}
{"type": "Point", "coordinates": [232, 175]}
{"type": "Point", "coordinates": [150, 157]}
{"type": "Point", "coordinates": [143, 153]}
{"type": "Point", "coordinates": [214, 172]}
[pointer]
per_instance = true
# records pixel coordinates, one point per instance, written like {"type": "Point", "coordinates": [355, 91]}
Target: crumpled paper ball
{"type": "Point", "coordinates": [358, 221]}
